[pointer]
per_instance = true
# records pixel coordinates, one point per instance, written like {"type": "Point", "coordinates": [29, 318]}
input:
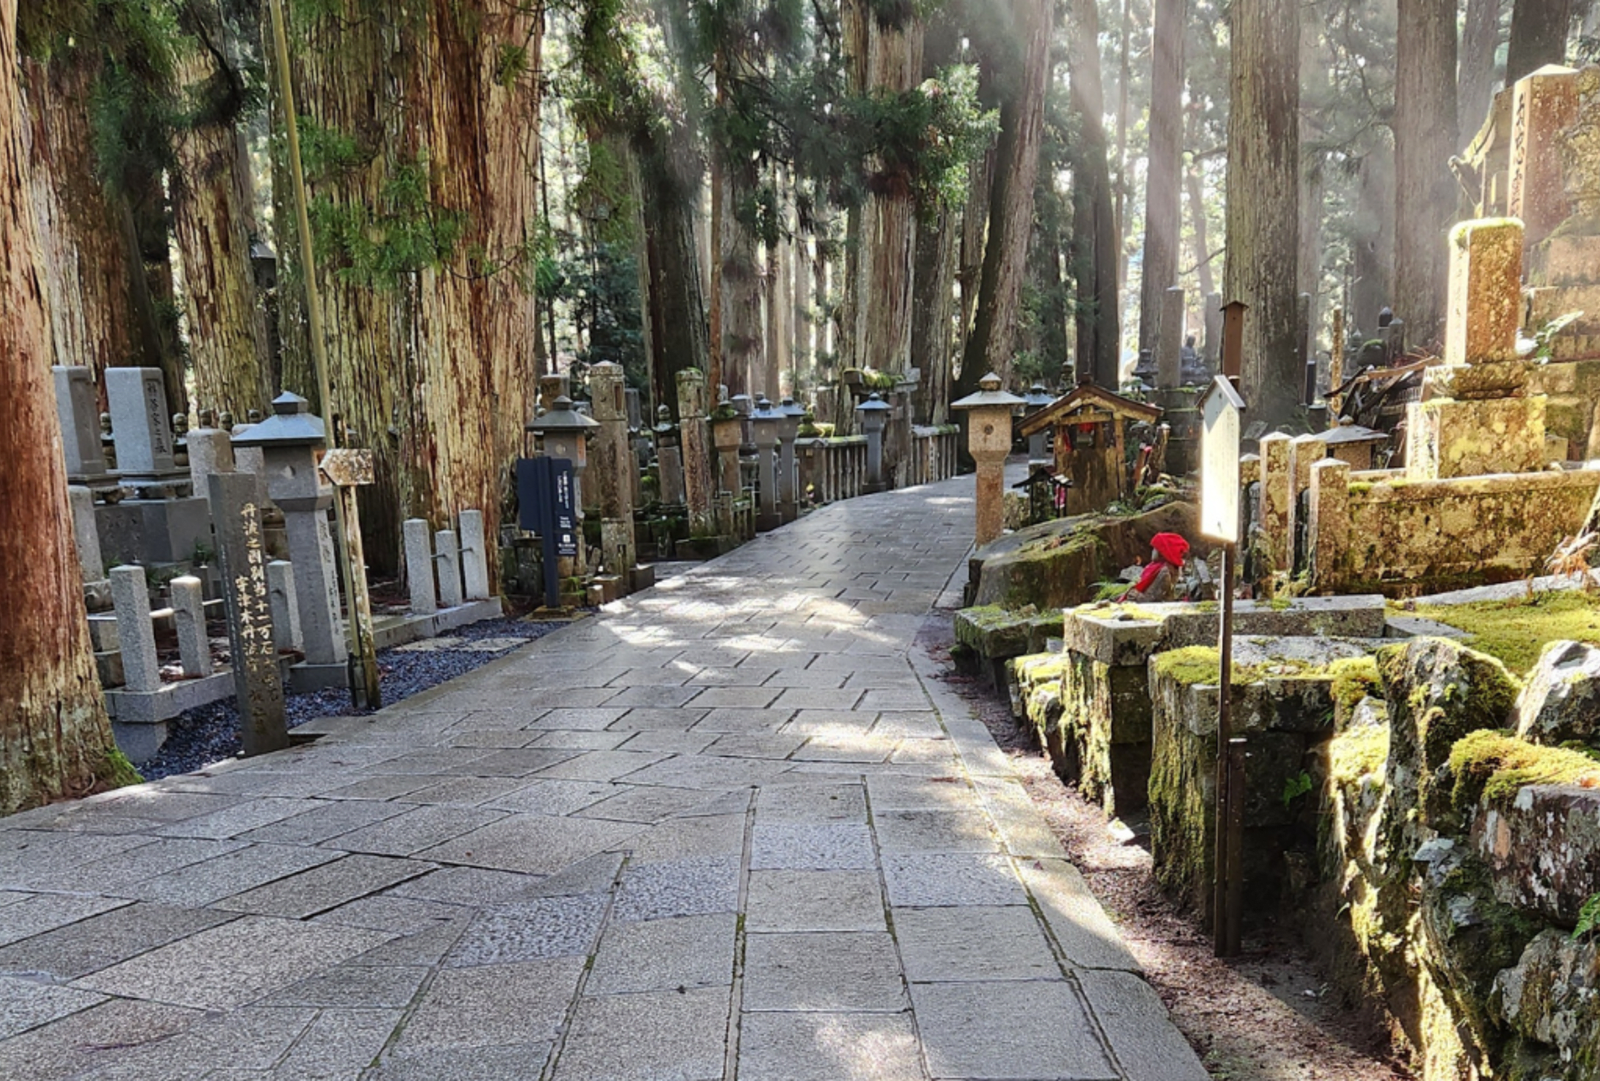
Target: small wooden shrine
{"type": "Point", "coordinates": [1091, 443]}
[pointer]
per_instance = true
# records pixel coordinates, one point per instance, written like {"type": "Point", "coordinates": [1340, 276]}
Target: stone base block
{"type": "Point", "coordinates": [1490, 379]}
{"type": "Point", "coordinates": [397, 631]}
{"type": "Point", "coordinates": [153, 531]}
{"type": "Point", "coordinates": [1546, 305]}
{"type": "Point", "coordinates": [1447, 438]}
{"type": "Point", "coordinates": [306, 677]}
{"type": "Point", "coordinates": [641, 577]}
{"type": "Point", "coordinates": [139, 742]}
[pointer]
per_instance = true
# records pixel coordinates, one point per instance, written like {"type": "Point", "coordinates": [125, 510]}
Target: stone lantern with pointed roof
{"type": "Point", "coordinates": [989, 441]}
{"type": "Point", "coordinates": [291, 442]}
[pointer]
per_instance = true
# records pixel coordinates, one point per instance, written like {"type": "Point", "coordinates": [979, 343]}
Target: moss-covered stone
{"type": "Point", "coordinates": [1489, 767]}
{"type": "Point", "coordinates": [1516, 631]}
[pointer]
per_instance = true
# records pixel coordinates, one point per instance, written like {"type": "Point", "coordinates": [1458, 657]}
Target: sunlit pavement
{"type": "Point", "coordinates": [733, 828]}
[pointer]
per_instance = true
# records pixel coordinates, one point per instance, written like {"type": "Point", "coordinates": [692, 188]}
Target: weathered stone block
{"type": "Point", "coordinates": [131, 594]}
{"type": "Point", "coordinates": [1564, 260]}
{"type": "Point", "coordinates": [189, 610]}
{"type": "Point", "coordinates": [1544, 849]}
{"type": "Point", "coordinates": [1561, 701]}
{"type": "Point", "coordinates": [419, 565]}
{"type": "Point", "coordinates": [1543, 105]}
{"type": "Point", "coordinates": [1551, 996]}
{"type": "Point", "coordinates": [1485, 291]}
{"type": "Point", "coordinates": [1446, 438]}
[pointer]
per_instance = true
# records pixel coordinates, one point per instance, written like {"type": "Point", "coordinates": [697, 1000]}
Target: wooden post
{"type": "Point", "coordinates": [360, 646]}
{"type": "Point", "coordinates": [1336, 366]}
{"type": "Point", "coordinates": [347, 470]}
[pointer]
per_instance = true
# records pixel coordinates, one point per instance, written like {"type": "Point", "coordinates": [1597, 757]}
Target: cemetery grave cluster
{"type": "Point", "coordinates": [1421, 796]}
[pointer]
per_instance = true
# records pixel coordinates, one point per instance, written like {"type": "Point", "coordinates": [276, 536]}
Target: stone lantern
{"type": "Point", "coordinates": [790, 416]}
{"type": "Point", "coordinates": [764, 420]}
{"type": "Point", "coordinates": [727, 435]}
{"type": "Point", "coordinates": [563, 433]}
{"type": "Point", "coordinates": [874, 415]}
{"type": "Point", "coordinates": [669, 457]}
{"type": "Point", "coordinates": [291, 442]}
{"type": "Point", "coordinates": [989, 441]}
{"type": "Point", "coordinates": [1038, 443]}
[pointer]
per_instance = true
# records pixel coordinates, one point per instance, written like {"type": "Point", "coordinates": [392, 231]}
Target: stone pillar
{"type": "Point", "coordinates": [315, 577]}
{"type": "Point", "coordinates": [695, 440]}
{"type": "Point", "coordinates": [1276, 494]}
{"type": "Point", "coordinates": [727, 434]}
{"type": "Point", "coordinates": [189, 613]}
{"type": "Point", "coordinates": [1485, 291]}
{"type": "Point", "coordinates": [80, 423]}
{"type": "Point", "coordinates": [766, 436]}
{"type": "Point", "coordinates": [448, 556]}
{"type": "Point", "coordinates": [419, 565]}
{"type": "Point", "coordinates": [1475, 416]}
{"type": "Point", "coordinates": [1304, 452]}
{"type": "Point", "coordinates": [475, 552]}
{"type": "Point", "coordinates": [1211, 348]}
{"type": "Point", "coordinates": [611, 464]}
{"type": "Point", "coordinates": [1328, 524]}
{"type": "Point", "coordinates": [552, 387]}
{"type": "Point", "coordinates": [210, 451]}
{"type": "Point", "coordinates": [130, 595]}
{"type": "Point", "coordinates": [87, 534]}
{"type": "Point", "coordinates": [1169, 344]}
{"type": "Point", "coordinates": [257, 680]}
{"type": "Point", "coordinates": [1543, 105]}
{"type": "Point", "coordinates": [140, 421]}
{"type": "Point", "coordinates": [281, 601]}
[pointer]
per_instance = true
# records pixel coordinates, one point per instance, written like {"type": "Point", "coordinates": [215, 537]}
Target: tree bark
{"type": "Point", "coordinates": [55, 738]}
{"type": "Point", "coordinates": [933, 328]}
{"type": "Point", "coordinates": [213, 212]}
{"type": "Point", "coordinates": [1011, 201]}
{"type": "Point", "coordinates": [1163, 171]}
{"type": "Point", "coordinates": [1538, 36]}
{"type": "Point", "coordinates": [1198, 230]}
{"type": "Point", "coordinates": [1475, 81]}
{"type": "Point", "coordinates": [1262, 200]}
{"type": "Point", "coordinates": [1372, 240]}
{"type": "Point", "coordinates": [1095, 254]}
{"type": "Point", "coordinates": [743, 345]}
{"type": "Point", "coordinates": [974, 234]}
{"type": "Point", "coordinates": [1424, 138]}
{"type": "Point", "coordinates": [87, 266]}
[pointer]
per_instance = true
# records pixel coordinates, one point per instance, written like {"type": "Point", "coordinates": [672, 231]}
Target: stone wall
{"type": "Point", "coordinates": [1380, 532]}
{"type": "Point", "coordinates": [1452, 877]}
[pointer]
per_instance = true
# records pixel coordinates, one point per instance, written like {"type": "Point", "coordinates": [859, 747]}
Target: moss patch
{"type": "Point", "coordinates": [1516, 631]}
{"type": "Point", "coordinates": [1354, 678]}
{"type": "Point", "coordinates": [1493, 765]}
{"type": "Point", "coordinates": [1358, 752]}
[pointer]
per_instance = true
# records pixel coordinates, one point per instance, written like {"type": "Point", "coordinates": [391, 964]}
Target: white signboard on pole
{"type": "Point", "coordinates": [1219, 462]}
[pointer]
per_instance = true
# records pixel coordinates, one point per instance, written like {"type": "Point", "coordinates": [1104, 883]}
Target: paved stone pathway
{"type": "Point", "coordinates": [732, 830]}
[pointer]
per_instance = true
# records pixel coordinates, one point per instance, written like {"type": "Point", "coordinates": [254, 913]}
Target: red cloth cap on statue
{"type": "Point", "coordinates": [1171, 546]}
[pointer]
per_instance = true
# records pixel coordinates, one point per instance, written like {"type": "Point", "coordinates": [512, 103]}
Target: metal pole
{"type": "Point", "coordinates": [1221, 916]}
{"type": "Point", "coordinates": [1235, 825]}
{"type": "Point", "coordinates": [360, 645]}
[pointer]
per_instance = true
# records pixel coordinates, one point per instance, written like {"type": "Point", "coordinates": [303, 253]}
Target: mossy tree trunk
{"type": "Point", "coordinates": [55, 739]}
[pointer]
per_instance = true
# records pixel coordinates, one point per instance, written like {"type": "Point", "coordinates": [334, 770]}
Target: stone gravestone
{"type": "Point", "coordinates": [419, 565]}
{"type": "Point", "coordinates": [614, 469]}
{"type": "Point", "coordinates": [695, 436]}
{"type": "Point", "coordinates": [80, 424]}
{"type": "Point", "coordinates": [140, 422]}
{"type": "Point", "coordinates": [242, 553]}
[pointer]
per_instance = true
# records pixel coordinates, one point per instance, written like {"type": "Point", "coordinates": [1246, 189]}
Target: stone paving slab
{"type": "Point", "coordinates": [733, 828]}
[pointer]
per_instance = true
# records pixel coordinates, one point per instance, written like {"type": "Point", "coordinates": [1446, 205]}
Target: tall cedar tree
{"type": "Point", "coordinates": [1538, 36]}
{"type": "Point", "coordinates": [1475, 82]}
{"type": "Point", "coordinates": [1424, 140]}
{"type": "Point", "coordinates": [1022, 71]}
{"type": "Point", "coordinates": [424, 209]}
{"type": "Point", "coordinates": [55, 738]}
{"type": "Point", "coordinates": [1163, 165]}
{"type": "Point", "coordinates": [1263, 200]}
{"type": "Point", "coordinates": [1094, 228]}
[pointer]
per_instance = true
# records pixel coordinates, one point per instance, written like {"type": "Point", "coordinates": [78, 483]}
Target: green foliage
{"type": "Point", "coordinates": [378, 247]}
{"type": "Point", "coordinates": [1588, 917]}
{"type": "Point", "coordinates": [1516, 631]}
{"type": "Point", "coordinates": [601, 284]}
{"type": "Point", "coordinates": [117, 771]}
{"type": "Point", "coordinates": [1295, 787]}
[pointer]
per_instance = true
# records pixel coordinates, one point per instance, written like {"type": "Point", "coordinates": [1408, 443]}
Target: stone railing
{"type": "Point", "coordinates": [833, 468]}
{"type": "Point", "coordinates": [934, 450]}
{"type": "Point", "coordinates": [1378, 531]}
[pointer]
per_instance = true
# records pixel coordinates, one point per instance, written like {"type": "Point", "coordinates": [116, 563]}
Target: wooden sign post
{"type": "Point", "coordinates": [1220, 411]}
{"type": "Point", "coordinates": [347, 470]}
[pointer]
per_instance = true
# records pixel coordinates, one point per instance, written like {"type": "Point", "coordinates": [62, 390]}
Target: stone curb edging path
{"type": "Point", "coordinates": [732, 828]}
